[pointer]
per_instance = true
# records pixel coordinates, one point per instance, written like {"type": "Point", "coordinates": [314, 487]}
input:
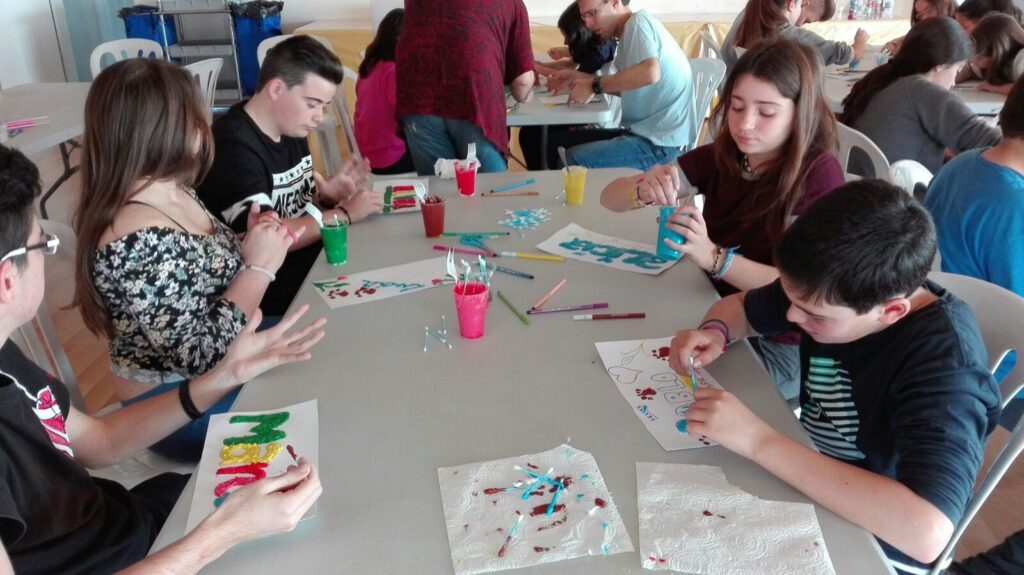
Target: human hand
{"type": "Point", "coordinates": [561, 81]}
{"type": "Point", "coordinates": [861, 37]}
{"type": "Point", "coordinates": [660, 185]}
{"type": "Point", "coordinates": [253, 353]}
{"type": "Point", "coordinates": [255, 216]}
{"type": "Point", "coordinates": [266, 507]}
{"type": "Point", "coordinates": [582, 91]}
{"type": "Point", "coordinates": [559, 52]}
{"type": "Point", "coordinates": [267, 243]}
{"type": "Point", "coordinates": [703, 345]}
{"type": "Point", "coordinates": [722, 417]}
{"type": "Point", "coordinates": [364, 203]}
{"type": "Point", "coordinates": [689, 222]}
{"type": "Point", "coordinates": [892, 46]}
{"type": "Point", "coordinates": [348, 181]}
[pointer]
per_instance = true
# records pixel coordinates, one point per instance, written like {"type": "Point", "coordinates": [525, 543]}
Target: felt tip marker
{"type": "Point", "coordinates": [513, 272]}
{"type": "Point", "coordinates": [535, 311]}
{"type": "Point", "coordinates": [527, 256]}
{"type": "Point", "coordinates": [508, 194]}
{"type": "Point", "coordinates": [526, 182]}
{"type": "Point", "coordinates": [441, 248]}
{"type": "Point", "coordinates": [596, 316]}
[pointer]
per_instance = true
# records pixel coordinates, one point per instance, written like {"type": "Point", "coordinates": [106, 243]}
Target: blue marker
{"type": "Point", "coordinates": [513, 186]}
{"type": "Point", "coordinates": [513, 272]}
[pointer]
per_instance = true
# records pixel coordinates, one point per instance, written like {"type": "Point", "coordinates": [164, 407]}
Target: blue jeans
{"type": "Point", "coordinates": [431, 138]}
{"type": "Point", "coordinates": [186, 443]}
{"type": "Point", "coordinates": [612, 149]}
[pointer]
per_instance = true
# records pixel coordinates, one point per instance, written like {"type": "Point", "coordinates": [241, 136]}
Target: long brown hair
{"type": "Point", "coordinates": [794, 70]}
{"type": "Point", "coordinates": [933, 42]}
{"type": "Point", "coordinates": [999, 38]}
{"type": "Point", "coordinates": [761, 21]}
{"type": "Point", "coordinates": [945, 8]}
{"type": "Point", "coordinates": [143, 118]}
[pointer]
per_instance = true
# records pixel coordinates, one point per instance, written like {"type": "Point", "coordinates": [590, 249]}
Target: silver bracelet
{"type": "Point", "coordinates": [262, 270]}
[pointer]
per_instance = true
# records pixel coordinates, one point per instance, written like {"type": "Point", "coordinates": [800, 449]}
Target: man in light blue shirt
{"type": "Point", "coordinates": [654, 82]}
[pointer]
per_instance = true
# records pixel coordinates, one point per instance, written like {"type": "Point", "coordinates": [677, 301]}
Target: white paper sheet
{"type": "Point", "coordinates": [693, 521]}
{"type": "Point", "coordinates": [237, 453]}
{"type": "Point", "coordinates": [342, 290]}
{"type": "Point", "coordinates": [578, 243]}
{"type": "Point", "coordinates": [480, 513]}
{"type": "Point", "coordinates": [658, 396]}
{"type": "Point", "coordinates": [403, 195]}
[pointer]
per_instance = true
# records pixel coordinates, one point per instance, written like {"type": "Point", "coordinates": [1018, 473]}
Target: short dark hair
{"type": "Point", "coordinates": [19, 187]}
{"type": "Point", "coordinates": [1011, 117]}
{"type": "Point", "coordinates": [297, 57]}
{"type": "Point", "coordinates": [977, 9]}
{"type": "Point", "coordinates": [862, 244]}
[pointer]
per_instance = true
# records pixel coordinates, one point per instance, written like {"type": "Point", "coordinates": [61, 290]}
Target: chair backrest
{"type": "Point", "coordinates": [206, 73]}
{"type": "Point", "coordinates": [1000, 315]}
{"type": "Point", "coordinates": [708, 74]}
{"type": "Point", "coordinates": [266, 45]}
{"type": "Point", "coordinates": [39, 342]}
{"type": "Point", "coordinates": [122, 50]}
{"type": "Point", "coordinates": [1009, 453]}
{"type": "Point", "coordinates": [907, 174]}
{"type": "Point", "coordinates": [850, 139]}
{"type": "Point", "coordinates": [341, 104]}
{"type": "Point", "coordinates": [710, 47]}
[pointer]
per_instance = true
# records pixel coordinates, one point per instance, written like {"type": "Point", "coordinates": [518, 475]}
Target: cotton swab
{"type": "Point", "coordinates": [511, 534]}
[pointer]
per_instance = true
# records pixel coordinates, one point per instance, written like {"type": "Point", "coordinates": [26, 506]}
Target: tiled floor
{"type": "Point", "coordinates": [1002, 515]}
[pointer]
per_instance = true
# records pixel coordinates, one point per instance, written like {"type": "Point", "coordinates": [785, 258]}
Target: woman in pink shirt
{"type": "Point", "coordinates": [377, 130]}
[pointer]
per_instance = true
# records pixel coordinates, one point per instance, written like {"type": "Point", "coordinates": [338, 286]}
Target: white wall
{"type": "Point", "coordinates": [28, 43]}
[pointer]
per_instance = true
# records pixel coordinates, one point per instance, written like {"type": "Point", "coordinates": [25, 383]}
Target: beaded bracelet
{"type": "Point", "coordinates": [721, 327]}
{"type": "Point", "coordinates": [261, 270]}
{"type": "Point", "coordinates": [345, 211]}
{"type": "Point", "coordinates": [185, 396]}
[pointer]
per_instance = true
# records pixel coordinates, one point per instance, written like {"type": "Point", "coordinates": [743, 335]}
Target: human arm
{"type": "Point", "coordinates": [100, 442]}
{"type": "Point", "coordinates": [644, 73]}
{"type": "Point", "coordinates": [559, 53]}
{"type": "Point", "coordinates": [831, 52]}
{"type": "Point", "coordinates": [518, 73]}
{"type": "Point", "coordinates": [885, 507]}
{"type": "Point", "coordinates": [522, 86]}
{"type": "Point", "coordinates": [947, 120]}
{"type": "Point", "coordinates": [263, 508]}
{"type": "Point", "coordinates": [1003, 89]}
{"type": "Point", "coordinates": [705, 344]}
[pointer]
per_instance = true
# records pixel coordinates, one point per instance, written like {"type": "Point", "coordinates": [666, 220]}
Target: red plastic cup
{"type": "Point", "coordinates": [465, 176]}
{"type": "Point", "coordinates": [471, 306]}
{"type": "Point", "coordinates": [433, 216]}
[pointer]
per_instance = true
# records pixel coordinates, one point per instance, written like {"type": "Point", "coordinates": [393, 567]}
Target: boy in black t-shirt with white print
{"type": "Point", "coordinates": [895, 392]}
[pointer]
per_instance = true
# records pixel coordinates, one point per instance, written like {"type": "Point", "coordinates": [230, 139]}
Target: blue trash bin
{"type": "Point", "coordinates": [254, 22]}
{"type": "Point", "coordinates": [140, 22]}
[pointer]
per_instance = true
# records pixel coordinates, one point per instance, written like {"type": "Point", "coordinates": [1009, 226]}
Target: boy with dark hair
{"type": "Point", "coordinates": [262, 162]}
{"type": "Point", "coordinates": [54, 517]}
{"type": "Point", "coordinates": [895, 392]}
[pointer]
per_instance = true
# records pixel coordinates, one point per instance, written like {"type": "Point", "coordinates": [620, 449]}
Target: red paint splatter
{"type": "Point", "coordinates": [565, 480]}
{"type": "Point", "coordinates": [344, 293]}
{"type": "Point", "coordinates": [539, 549]}
{"type": "Point", "coordinates": [656, 560]}
{"type": "Point", "coordinates": [494, 502]}
{"type": "Point", "coordinates": [600, 502]}
{"type": "Point", "coordinates": [543, 508]}
{"type": "Point", "coordinates": [437, 281]}
{"type": "Point", "coordinates": [493, 490]}
{"type": "Point", "coordinates": [660, 353]}
{"type": "Point", "coordinates": [555, 523]}
{"type": "Point", "coordinates": [707, 513]}
{"type": "Point", "coordinates": [504, 547]}
{"type": "Point", "coordinates": [646, 393]}
{"type": "Point", "coordinates": [466, 527]}
{"type": "Point", "coordinates": [532, 466]}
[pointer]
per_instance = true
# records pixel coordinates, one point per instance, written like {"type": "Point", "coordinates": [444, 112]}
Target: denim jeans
{"type": "Point", "coordinates": [432, 137]}
{"type": "Point", "coordinates": [612, 149]}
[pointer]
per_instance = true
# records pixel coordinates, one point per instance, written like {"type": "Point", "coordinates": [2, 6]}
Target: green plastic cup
{"type": "Point", "coordinates": [335, 238]}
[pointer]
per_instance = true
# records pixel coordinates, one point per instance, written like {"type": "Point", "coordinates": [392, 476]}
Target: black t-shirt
{"type": "Point", "coordinates": [55, 518]}
{"type": "Point", "coordinates": [250, 167]}
{"type": "Point", "coordinates": [913, 402]}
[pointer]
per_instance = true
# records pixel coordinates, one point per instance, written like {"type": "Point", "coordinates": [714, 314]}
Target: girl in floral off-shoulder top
{"type": "Point", "coordinates": [157, 274]}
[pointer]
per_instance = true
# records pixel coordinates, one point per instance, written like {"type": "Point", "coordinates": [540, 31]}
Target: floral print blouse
{"type": "Point", "coordinates": [164, 289]}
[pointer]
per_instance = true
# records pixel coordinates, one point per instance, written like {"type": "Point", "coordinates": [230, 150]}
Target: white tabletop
{"type": "Point", "coordinates": [839, 80]}
{"type": "Point", "coordinates": [62, 103]}
{"type": "Point", "coordinates": [537, 113]}
{"type": "Point", "coordinates": [391, 415]}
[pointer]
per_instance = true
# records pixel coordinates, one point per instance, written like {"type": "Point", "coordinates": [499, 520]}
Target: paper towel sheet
{"type": "Point", "coordinates": [480, 514]}
{"type": "Point", "coordinates": [693, 521]}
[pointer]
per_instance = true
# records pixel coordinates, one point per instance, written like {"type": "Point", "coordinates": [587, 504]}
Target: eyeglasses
{"type": "Point", "coordinates": [49, 243]}
{"type": "Point", "coordinates": [589, 14]}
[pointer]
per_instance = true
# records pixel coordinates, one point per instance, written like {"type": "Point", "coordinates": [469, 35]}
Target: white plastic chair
{"type": "Point", "coordinates": [123, 50]}
{"type": "Point", "coordinates": [1000, 314]}
{"type": "Point", "coordinates": [708, 74]}
{"type": "Point", "coordinates": [907, 174]}
{"type": "Point", "coordinates": [850, 139]}
{"type": "Point", "coordinates": [206, 73]}
{"type": "Point", "coordinates": [710, 47]}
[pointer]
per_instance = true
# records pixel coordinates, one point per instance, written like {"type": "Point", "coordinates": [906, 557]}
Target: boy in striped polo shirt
{"type": "Point", "coordinates": [895, 391]}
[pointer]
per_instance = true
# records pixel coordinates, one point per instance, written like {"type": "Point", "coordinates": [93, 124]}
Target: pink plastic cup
{"type": "Point", "coordinates": [471, 306]}
{"type": "Point", "coordinates": [465, 176]}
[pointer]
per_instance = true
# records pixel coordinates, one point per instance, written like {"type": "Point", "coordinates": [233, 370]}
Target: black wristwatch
{"type": "Point", "coordinates": [596, 85]}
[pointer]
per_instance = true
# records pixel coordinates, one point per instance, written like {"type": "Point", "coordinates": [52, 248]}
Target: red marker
{"type": "Point", "coordinates": [590, 316]}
